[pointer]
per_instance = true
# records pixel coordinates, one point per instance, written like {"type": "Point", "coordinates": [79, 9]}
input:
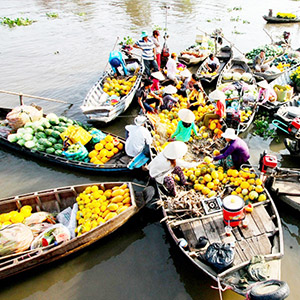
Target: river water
{"type": "Point", "coordinates": [61, 58]}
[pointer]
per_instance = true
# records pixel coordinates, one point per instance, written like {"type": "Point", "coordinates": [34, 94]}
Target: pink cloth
{"type": "Point", "coordinates": [155, 86]}
{"type": "Point", "coordinates": [158, 60]}
{"type": "Point", "coordinates": [267, 94]}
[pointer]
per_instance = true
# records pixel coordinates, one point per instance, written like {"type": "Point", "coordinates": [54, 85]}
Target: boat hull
{"type": "Point", "coordinates": [280, 20]}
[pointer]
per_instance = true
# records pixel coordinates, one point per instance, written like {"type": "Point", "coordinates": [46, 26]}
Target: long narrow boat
{"type": "Point", "coordinates": [99, 106]}
{"type": "Point", "coordinates": [233, 74]}
{"type": "Point", "coordinates": [55, 201]}
{"type": "Point", "coordinates": [118, 163]}
{"type": "Point", "coordinates": [208, 79]}
{"type": "Point", "coordinates": [282, 80]}
{"type": "Point", "coordinates": [285, 186]}
{"type": "Point", "coordinates": [262, 239]}
{"type": "Point", "coordinates": [288, 111]}
{"type": "Point", "coordinates": [280, 20]}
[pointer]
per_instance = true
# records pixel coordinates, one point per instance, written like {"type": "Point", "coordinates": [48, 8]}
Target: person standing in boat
{"type": "Point", "coordinates": [185, 126]}
{"type": "Point", "coordinates": [155, 38]}
{"type": "Point", "coordinates": [235, 153]}
{"type": "Point", "coordinates": [169, 162]}
{"type": "Point", "coordinates": [148, 54]}
{"type": "Point", "coordinates": [212, 63]}
{"type": "Point", "coordinates": [266, 92]}
{"type": "Point", "coordinates": [145, 102]}
{"type": "Point", "coordinates": [172, 68]}
{"type": "Point", "coordinates": [116, 60]}
{"type": "Point", "coordinates": [258, 62]}
{"type": "Point", "coordinates": [138, 138]}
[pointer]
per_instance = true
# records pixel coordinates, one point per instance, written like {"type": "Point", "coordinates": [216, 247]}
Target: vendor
{"type": "Point", "coordinates": [168, 100]}
{"type": "Point", "coordinates": [116, 60]}
{"type": "Point", "coordinates": [156, 77]}
{"type": "Point", "coordinates": [258, 62]}
{"type": "Point", "coordinates": [143, 100]}
{"type": "Point", "coordinates": [172, 68]}
{"type": "Point", "coordinates": [220, 111]}
{"type": "Point", "coordinates": [139, 138]}
{"type": "Point", "coordinates": [235, 153]}
{"type": "Point", "coordinates": [196, 98]}
{"type": "Point", "coordinates": [266, 92]}
{"type": "Point", "coordinates": [212, 63]}
{"type": "Point", "coordinates": [169, 162]}
{"type": "Point", "coordinates": [184, 126]}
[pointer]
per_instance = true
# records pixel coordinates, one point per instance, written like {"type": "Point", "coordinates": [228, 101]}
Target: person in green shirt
{"type": "Point", "coordinates": [184, 126]}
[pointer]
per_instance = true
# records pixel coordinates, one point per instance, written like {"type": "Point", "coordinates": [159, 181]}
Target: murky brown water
{"type": "Point", "coordinates": [139, 261]}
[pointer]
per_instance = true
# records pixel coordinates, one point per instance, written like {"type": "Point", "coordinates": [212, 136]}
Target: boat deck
{"type": "Point", "coordinates": [250, 241]}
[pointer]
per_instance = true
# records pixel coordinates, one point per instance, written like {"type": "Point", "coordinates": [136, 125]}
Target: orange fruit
{"type": "Point", "coordinates": [110, 154]}
{"type": "Point", "coordinates": [99, 146]}
{"type": "Point", "coordinates": [120, 146]}
{"type": "Point", "coordinates": [115, 150]}
{"type": "Point", "coordinates": [109, 138]}
{"type": "Point", "coordinates": [103, 152]}
{"type": "Point", "coordinates": [109, 146]}
{"type": "Point", "coordinates": [93, 154]}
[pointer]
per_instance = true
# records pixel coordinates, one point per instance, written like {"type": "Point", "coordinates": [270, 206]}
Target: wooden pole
{"type": "Point", "coordinates": [21, 95]}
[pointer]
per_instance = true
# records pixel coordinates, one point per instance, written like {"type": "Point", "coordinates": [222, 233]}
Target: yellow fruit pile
{"type": "Point", "coordinates": [209, 180]}
{"type": "Point", "coordinates": [207, 73]}
{"type": "Point", "coordinates": [245, 115]}
{"type": "Point", "coordinates": [97, 205]}
{"type": "Point", "coordinates": [105, 150]}
{"type": "Point", "coordinates": [118, 87]}
{"type": "Point", "coordinates": [14, 216]}
{"type": "Point", "coordinates": [283, 67]}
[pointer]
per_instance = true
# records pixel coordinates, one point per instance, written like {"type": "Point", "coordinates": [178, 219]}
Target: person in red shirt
{"type": "Point", "coordinates": [220, 111]}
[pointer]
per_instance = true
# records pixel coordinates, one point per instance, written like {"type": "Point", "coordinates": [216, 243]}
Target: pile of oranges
{"type": "Point", "coordinates": [118, 87]}
{"type": "Point", "coordinates": [105, 150]}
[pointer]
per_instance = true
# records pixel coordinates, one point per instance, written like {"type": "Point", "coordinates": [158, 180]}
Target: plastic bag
{"type": "Point", "coordinates": [15, 238]}
{"type": "Point", "coordinates": [97, 135]}
{"type": "Point", "coordinates": [20, 115]}
{"type": "Point", "coordinates": [39, 228]}
{"type": "Point", "coordinates": [76, 152]}
{"type": "Point", "coordinates": [39, 217]}
{"type": "Point", "coordinates": [219, 256]}
{"type": "Point", "coordinates": [53, 235]}
{"type": "Point", "coordinates": [68, 218]}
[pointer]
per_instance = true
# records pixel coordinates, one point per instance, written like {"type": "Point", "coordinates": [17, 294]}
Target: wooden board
{"type": "Point", "coordinates": [287, 187]}
{"type": "Point", "coordinates": [264, 244]}
{"type": "Point", "coordinates": [211, 230]}
{"type": "Point", "coordinates": [261, 213]}
{"type": "Point", "coordinates": [220, 226]}
{"type": "Point", "coordinates": [189, 234]}
{"type": "Point", "coordinates": [247, 250]}
{"type": "Point", "coordinates": [251, 229]}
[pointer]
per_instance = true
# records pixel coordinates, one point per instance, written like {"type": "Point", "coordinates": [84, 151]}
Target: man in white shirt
{"type": "Point", "coordinates": [172, 68]}
{"type": "Point", "coordinates": [139, 138]}
{"type": "Point", "coordinates": [212, 64]}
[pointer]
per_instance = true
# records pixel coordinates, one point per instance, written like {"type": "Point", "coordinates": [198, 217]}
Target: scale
{"type": "Point", "coordinates": [212, 205]}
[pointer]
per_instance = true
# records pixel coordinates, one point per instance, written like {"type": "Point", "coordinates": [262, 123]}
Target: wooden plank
{"type": "Point", "coordinates": [287, 187]}
{"type": "Point", "coordinates": [264, 244]}
{"type": "Point", "coordinates": [257, 220]}
{"type": "Point", "coordinates": [251, 229]}
{"type": "Point", "coordinates": [248, 252]}
{"type": "Point", "coordinates": [236, 233]}
{"type": "Point", "coordinates": [197, 226]}
{"type": "Point", "coordinates": [265, 218]}
{"type": "Point", "coordinates": [253, 243]}
{"type": "Point", "coordinates": [211, 231]}
{"type": "Point", "coordinates": [189, 234]}
{"type": "Point", "coordinates": [240, 252]}
{"type": "Point", "coordinates": [220, 226]}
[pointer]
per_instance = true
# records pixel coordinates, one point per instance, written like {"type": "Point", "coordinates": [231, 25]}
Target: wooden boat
{"type": "Point", "coordinates": [118, 163]}
{"type": "Point", "coordinates": [97, 105]}
{"type": "Point", "coordinates": [262, 237]}
{"type": "Point", "coordinates": [55, 201]}
{"type": "Point", "coordinates": [191, 60]}
{"type": "Point", "coordinates": [238, 65]}
{"type": "Point", "coordinates": [280, 20]}
{"type": "Point", "coordinates": [224, 57]}
{"type": "Point", "coordinates": [288, 111]}
{"type": "Point", "coordinates": [285, 186]}
{"type": "Point", "coordinates": [282, 80]}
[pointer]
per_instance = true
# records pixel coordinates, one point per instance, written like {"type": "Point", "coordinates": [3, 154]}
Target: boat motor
{"type": "Point", "coordinates": [294, 127]}
{"type": "Point", "coordinates": [267, 163]}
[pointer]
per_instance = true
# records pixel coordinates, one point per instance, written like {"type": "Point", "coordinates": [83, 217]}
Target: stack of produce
{"type": "Point", "coordinates": [210, 180]}
{"type": "Point", "coordinates": [295, 77]}
{"type": "Point", "coordinates": [271, 51]}
{"type": "Point", "coordinates": [283, 92]}
{"type": "Point", "coordinates": [285, 15]}
{"type": "Point", "coordinates": [105, 150]}
{"type": "Point", "coordinates": [98, 205]}
{"type": "Point", "coordinates": [118, 87]}
{"type": "Point", "coordinates": [235, 76]}
{"type": "Point", "coordinates": [285, 62]}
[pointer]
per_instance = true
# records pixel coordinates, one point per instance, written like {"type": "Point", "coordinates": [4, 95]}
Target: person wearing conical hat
{"type": "Point", "coordinates": [168, 100]}
{"type": "Point", "coordinates": [169, 162]}
{"type": "Point", "coordinates": [266, 92]}
{"type": "Point", "coordinates": [235, 153]}
{"type": "Point", "coordinates": [185, 126]}
{"type": "Point", "coordinates": [139, 138]}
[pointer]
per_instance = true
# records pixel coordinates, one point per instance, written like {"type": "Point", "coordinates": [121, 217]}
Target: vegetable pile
{"type": "Point", "coordinates": [270, 51]}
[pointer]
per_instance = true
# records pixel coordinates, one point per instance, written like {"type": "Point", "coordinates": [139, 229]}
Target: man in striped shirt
{"type": "Point", "coordinates": [149, 53]}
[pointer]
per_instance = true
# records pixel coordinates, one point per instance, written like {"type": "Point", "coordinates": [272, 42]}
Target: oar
{"type": "Point", "coordinates": [267, 33]}
{"type": "Point", "coordinates": [21, 95]}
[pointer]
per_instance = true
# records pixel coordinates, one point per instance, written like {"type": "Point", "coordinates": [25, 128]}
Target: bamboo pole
{"type": "Point", "coordinates": [21, 95]}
